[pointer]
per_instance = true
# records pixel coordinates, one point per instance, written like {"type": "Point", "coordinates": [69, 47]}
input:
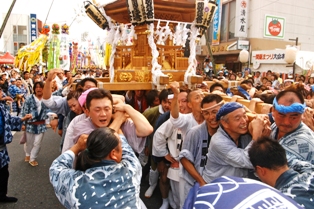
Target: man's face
{"type": "Point", "coordinates": [196, 98]}
{"type": "Point", "coordinates": [88, 85]}
{"type": "Point", "coordinates": [26, 76]}
{"type": "Point", "coordinates": [100, 112]}
{"type": "Point", "coordinates": [218, 88]}
{"type": "Point", "coordinates": [287, 123]}
{"type": "Point", "coordinates": [210, 114]}
{"type": "Point", "coordinates": [165, 104]}
{"type": "Point", "coordinates": [60, 75]}
{"type": "Point", "coordinates": [268, 84]}
{"type": "Point", "coordinates": [156, 101]}
{"type": "Point", "coordinates": [237, 122]}
{"type": "Point", "coordinates": [18, 83]}
{"type": "Point", "coordinates": [183, 103]}
{"type": "Point", "coordinates": [75, 106]}
{"type": "Point", "coordinates": [38, 90]}
{"type": "Point", "coordinates": [139, 93]}
{"type": "Point", "coordinates": [258, 74]}
{"type": "Point", "coordinates": [69, 75]}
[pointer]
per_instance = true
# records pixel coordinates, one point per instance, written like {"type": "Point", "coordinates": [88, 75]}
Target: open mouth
{"type": "Point", "coordinates": [103, 121]}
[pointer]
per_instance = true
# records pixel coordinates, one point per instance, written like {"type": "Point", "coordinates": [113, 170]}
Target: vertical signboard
{"type": "Point", "coordinates": [216, 23]}
{"type": "Point", "coordinates": [241, 18]}
{"type": "Point", "coordinates": [274, 27]}
{"type": "Point", "coordinates": [33, 27]}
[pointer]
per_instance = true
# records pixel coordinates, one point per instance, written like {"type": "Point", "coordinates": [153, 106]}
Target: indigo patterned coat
{"type": "Point", "coordinates": [31, 108]}
{"type": "Point", "coordinates": [12, 123]}
{"type": "Point", "coordinates": [106, 185]}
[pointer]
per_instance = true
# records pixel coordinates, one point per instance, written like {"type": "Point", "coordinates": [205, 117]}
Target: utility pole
{"type": "Point", "coordinates": [7, 17]}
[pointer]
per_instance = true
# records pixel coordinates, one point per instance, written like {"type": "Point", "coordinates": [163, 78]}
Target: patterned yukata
{"type": "Point", "coordinates": [298, 183]}
{"type": "Point", "coordinates": [34, 133]}
{"type": "Point", "coordinates": [8, 123]}
{"type": "Point", "coordinates": [299, 143]}
{"type": "Point", "coordinates": [12, 123]}
{"type": "Point", "coordinates": [13, 91]}
{"type": "Point", "coordinates": [106, 185]}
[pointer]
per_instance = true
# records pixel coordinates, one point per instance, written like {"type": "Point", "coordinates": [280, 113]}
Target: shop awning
{"type": "Point", "coordinates": [7, 58]}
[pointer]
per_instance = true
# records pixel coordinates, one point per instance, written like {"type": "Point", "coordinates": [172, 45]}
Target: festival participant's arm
{"type": "Point", "coordinates": [188, 155]}
{"type": "Point", "coordinates": [161, 136]}
{"type": "Point", "coordinates": [142, 126]}
{"type": "Point", "coordinates": [80, 145]}
{"type": "Point", "coordinates": [48, 84]}
{"type": "Point", "coordinates": [119, 119]}
{"type": "Point", "coordinates": [189, 167]}
{"type": "Point", "coordinates": [174, 103]}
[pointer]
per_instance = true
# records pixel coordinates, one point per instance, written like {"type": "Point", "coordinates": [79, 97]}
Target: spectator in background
{"type": "Point", "coordinates": [257, 79]}
{"type": "Point", "coordinates": [232, 77]}
{"type": "Point", "coordinates": [4, 84]}
{"type": "Point", "coordinates": [217, 87]}
{"type": "Point", "coordinates": [137, 100]}
{"type": "Point", "coordinates": [239, 76]}
{"type": "Point", "coordinates": [152, 98]}
{"type": "Point", "coordinates": [208, 67]}
{"type": "Point", "coordinates": [274, 80]}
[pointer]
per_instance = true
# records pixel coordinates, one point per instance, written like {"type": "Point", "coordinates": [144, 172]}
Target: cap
{"type": "Point", "coordinates": [12, 80]}
{"type": "Point", "coordinates": [228, 108]}
{"type": "Point", "coordinates": [82, 98]}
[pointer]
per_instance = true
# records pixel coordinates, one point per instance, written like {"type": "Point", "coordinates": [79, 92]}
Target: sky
{"type": "Point", "coordinates": [62, 11]}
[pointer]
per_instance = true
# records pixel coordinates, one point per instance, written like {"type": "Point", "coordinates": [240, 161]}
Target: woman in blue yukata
{"type": "Point", "coordinates": [107, 173]}
{"type": "Point", "coordinates": [35, 127]}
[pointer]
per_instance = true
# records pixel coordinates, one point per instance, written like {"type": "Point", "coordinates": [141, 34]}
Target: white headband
{"type": "Point", "coordinates": [219, 104]}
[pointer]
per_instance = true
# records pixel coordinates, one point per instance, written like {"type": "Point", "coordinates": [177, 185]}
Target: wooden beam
{"type": "Point", "coordinates": [124, 86]}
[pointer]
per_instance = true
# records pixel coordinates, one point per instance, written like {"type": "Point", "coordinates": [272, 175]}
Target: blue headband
{"type": "Point", "coordinates": [295, 107]}
{"type": "Point", "coordinates": [227, 108]}
{"type": "Point", "coordinates": [242, 91]}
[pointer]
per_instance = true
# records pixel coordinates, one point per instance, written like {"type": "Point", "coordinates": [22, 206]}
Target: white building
{"type": "Point", "coordinates": [17, 33]}
{"type": "Point", "coordinates": [290, 19]}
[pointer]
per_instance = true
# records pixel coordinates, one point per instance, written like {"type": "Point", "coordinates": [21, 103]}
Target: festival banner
{"type": "Point", "coordinates": [216, 24]}
{"type": "Point", "coordinates": [33, 27]}
{"type": "Point", "coordinates": [241, 18]}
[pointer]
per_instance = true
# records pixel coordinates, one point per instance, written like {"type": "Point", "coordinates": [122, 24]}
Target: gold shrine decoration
{"type": "Point", "coordinates": [140, 11]}
{"type": "Point", "coordinates": [93, 13]}
{"type": "Point", "coordinates": [125, 77]}
{"type": "Point", "coordinates": [204, 13]}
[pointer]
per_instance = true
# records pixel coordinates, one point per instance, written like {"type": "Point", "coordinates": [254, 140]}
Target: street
{"type": "Point", "coordinates": [31, 184]}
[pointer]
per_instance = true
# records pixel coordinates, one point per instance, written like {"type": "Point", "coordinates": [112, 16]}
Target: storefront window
{"type": "Point", "coordinates": [228, 21]}
{"type": "Point", "coordinates": [224, 23]}
{"type": "Point", "coordinates": [231, 24]}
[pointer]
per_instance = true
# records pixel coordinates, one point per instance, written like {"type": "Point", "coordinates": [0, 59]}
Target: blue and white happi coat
{"type": "Point", "coordinates": [106, 185]}
{"type": "Point", "coordinates": [11, 123]}
{"type": "Point", "coordinates": [30, 107]}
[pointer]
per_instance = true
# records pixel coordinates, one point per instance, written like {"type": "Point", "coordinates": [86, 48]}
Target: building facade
{"type": "Point", "coordinates": [259, 25]}
{"type": "Point", "coordinates": [18, 32]}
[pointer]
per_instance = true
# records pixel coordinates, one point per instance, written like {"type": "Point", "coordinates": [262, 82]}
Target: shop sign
{"type": "Point", "coordinates": [33, 27]}
{"type": "Point", "coordinates": [243, 44]}
{"type": "Point", "coordinates": [241, 18]}
{"type": "Point", "coordinates": [269, 57]}
{"type": "Point", "coordinates": [274, 27]}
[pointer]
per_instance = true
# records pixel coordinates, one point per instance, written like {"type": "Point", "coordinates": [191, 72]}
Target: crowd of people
{"type": "Point", "coordinates": [186, 142]}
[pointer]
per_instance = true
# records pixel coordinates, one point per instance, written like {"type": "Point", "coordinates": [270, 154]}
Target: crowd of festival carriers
{"type": "Point", "coordinates": [183, 142]}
